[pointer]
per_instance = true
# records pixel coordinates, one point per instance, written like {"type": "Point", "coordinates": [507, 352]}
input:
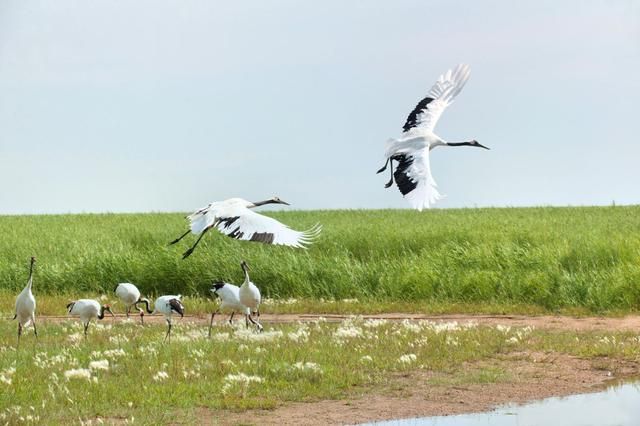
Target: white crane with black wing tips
{"type": "Point", "coordinates": [130, 296]}
{"type": "Point", "coordinates": [229, 295]}
{"type": "Point", "coordinates": [26, 305]}
{"type": "Point", "coordinates": [168, 305]}
{"type": "Point", "coordinates": [411, 150]}
{"type": "Point", "coordinates": [86, 310]}
{"type": "Point", "coordinates": [234, 218]}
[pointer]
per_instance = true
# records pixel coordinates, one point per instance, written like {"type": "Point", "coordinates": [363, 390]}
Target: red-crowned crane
{"type": "Point", "coordinates": [411, 150]}
{"type": "Point", "coordinates": [250, 297]}
{"type": "Point", "coordinates": [86, 310]}
{"type": "Point", "coordinates": [234, 218]}
{"type": "Point", "coordinates": [167, 306]}
{"type": "Point", "coordinates": [26, 305]}
{"type": "Point", "coordinates": [130, 296]}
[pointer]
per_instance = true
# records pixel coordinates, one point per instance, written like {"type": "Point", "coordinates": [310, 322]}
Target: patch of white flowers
{"type": "Point", "coordinates": [240, 379]}
{"type": "Point", "coordinates": [310, 367]}
{"type": "Point", "coordinates": [301, 335]}
{"type": "Point", "coordinates": [78, 373]}
{"type": "Point", "coordinates": [5, 375]}
{"type": "Point", "coordinates": [102, 364]}
{"type": "Point", "coordinates": [407, 359]}
{"type": "Point", "coordinates": [160, 376]}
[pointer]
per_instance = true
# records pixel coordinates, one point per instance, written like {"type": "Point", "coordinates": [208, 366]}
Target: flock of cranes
{"type": "Point", "coordinates": [236, 219]}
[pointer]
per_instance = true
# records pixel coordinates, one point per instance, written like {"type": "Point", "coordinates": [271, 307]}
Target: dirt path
{"type": "Point", "coordinates": [534, 376]}
{"type": "Point", "coordinates": [547, 321]}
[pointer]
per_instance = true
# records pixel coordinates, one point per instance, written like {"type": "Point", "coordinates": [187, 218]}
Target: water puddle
{"type": "Point", "coordinates": [617, 406]}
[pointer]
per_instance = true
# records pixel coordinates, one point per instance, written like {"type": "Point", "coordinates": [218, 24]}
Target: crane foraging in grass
{"type": "Point", "coordinates": [86, 310]}
{"type": "Point", "coordinates": [130, 296]}
{"type": "Point", "coordinates": [411, 150]}
{"type": "Point", "coordinates": [167, 306]}
{"type": "Point", "coordinates": [229, 295]}
{"type": "Point", "coordinates": [250, 297]}
{"type": "Point", "coordinates": [234, 218]}
{"type": "Point", "coordinates": [26, 305]}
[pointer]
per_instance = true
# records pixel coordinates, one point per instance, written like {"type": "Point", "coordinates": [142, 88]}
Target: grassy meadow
{"type": "Point", "coordinates": [123, 373]}
{"type": "Point", "coordinates": [585, 259]}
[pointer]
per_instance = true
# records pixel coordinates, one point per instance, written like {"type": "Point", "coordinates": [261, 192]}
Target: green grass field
{"type": "Point", "coordinates": [586, 258]}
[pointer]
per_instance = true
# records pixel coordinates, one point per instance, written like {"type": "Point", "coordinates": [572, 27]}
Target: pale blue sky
{"type": "Point", "coordinates": [167, 105]}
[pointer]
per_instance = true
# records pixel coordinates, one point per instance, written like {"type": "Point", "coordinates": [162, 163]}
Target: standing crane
{"type": "Point", "coordinates": [168, 305]}
{"type": "Point", "coordinates": [229, 295]}
{"type": "Point", "coordinates": [130, 296]}
{"type": "Point", "coordinates": [86, 310]}
{"type": "Point", "coordinates": [26, 305]}
{"type": "Point", "coordinates": [411, 150]}
{"type": "Point", "coordinates": [250, 297]}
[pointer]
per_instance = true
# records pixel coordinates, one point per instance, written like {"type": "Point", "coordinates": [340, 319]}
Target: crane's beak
{"type": "Point", "coordinates": [479, 145]}
{"type": "Point", "coordinates": [283, 202]}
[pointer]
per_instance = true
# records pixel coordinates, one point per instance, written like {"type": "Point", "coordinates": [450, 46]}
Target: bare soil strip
{"type": "Point", "coordinates": [533, 376]}
{"type": "Point", "coordinates": [629, 323]}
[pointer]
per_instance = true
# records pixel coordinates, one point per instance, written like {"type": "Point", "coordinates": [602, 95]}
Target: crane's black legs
{"type": "Point", "coordinates": [211, 323]}
{"type": "Point", "coordinates": [389, 163]}
{"type": "Point", "coordinates": [35, 331]}
{"type": "Point", "coordinates": [231, 317]}
{"type": "Point", "coordinates": [388, 184]}
{"type": "Point", "coordinates": [188, 252]}
{"type": "Point", "coordinates": [19, 334]}
{"type": "Point", "coordinates": [86, 326]}
{"type": "Point", "coordinates": [180, 237]}
{"type": "Point", "coordinates": [383, 167]}
{"type": "Point", "coordinates": [257, 324]}
{"type": "Point", "coordinates": [168, 331]}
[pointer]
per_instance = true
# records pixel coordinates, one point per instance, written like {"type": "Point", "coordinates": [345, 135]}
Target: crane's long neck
{"type": "Point", "coordinates": [30, 281]}
{"type": "Point", "coordinates": [101, 316]}
{"type": "Point", "coordinates": [262, 203]}
{"type": "Point", "coordinates": [146, 304]}
{"type": "Point", "coordinates": [467, 143]}
{"type": "Point", "coordinates": [246, 276]}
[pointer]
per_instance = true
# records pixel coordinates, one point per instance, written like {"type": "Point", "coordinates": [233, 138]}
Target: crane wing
{"type": "Point", "coordinates": [251, 226]}
{"type": "Point", "coordinates": [414, 180]}
{"type": "Point", "coordinates": [201, 219]}
{"type": "Point", "coordinates": [428, 111]}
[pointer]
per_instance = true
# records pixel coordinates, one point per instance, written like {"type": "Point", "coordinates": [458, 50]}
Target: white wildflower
{"type": "Point", "coordinates": [407, 359]}
{"type": "Point", "coordinates": [102, 364]}
{"type": "Point", "coordinates": [366, 358]}
{"type": "Point", "coordinates": [160, 376]}
{"type": "Point", "coordinates": [241, 379]}
{"type": "Point", "coordinates": [114, 353]}
{"type": "Point", "coordinates": [310, 367]}
{"type": "Point", "coordinates": [374, 323]}
{"type": "Point", "coordinates": [78, 373]}
{"type": "Point", "coordinates": [301, 335]}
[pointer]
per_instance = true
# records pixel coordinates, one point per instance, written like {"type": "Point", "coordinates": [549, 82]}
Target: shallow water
{"type": "Point", "coordinates": [617, 406]}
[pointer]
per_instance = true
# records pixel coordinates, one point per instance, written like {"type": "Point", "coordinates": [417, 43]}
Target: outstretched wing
{"type": "Point", "coordinates": [201, 219]}
{"type": "Point", "coordinates": [441, 95]}
{"type": "Point", "coordinates": [414, 180]}
{"type": "Point", "coordinates": [251, 226]}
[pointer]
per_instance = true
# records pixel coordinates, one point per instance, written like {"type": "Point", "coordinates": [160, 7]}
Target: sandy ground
{"type": "Point", "coordinates": [544, 321]}
{"type": "Point", "coordinates": [535, 376]}
{"type": "Point", "coordinates": [531, 376]}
